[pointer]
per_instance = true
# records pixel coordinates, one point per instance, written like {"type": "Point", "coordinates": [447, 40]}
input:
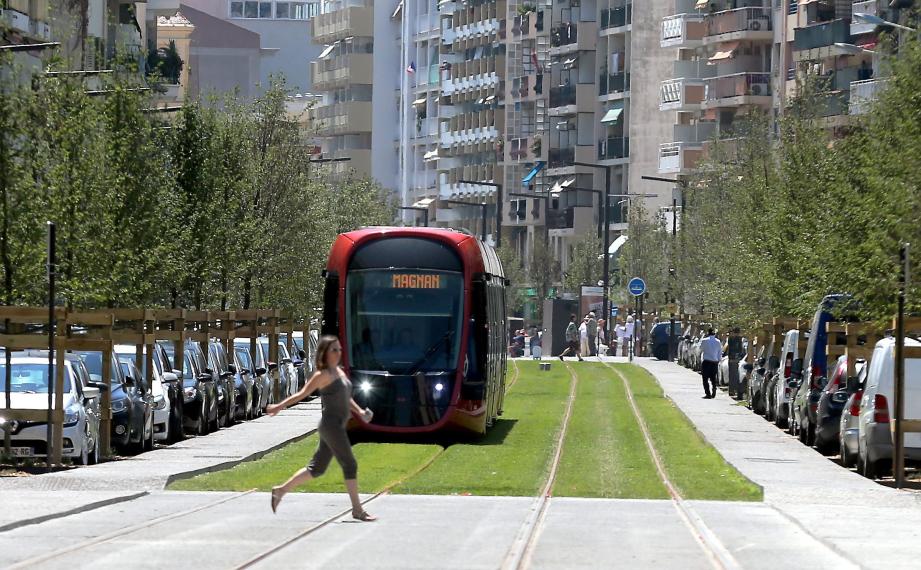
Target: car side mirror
{"type": "Point", "coordinates": [129, 382]}
{"type": "Point", "coordinates": [260, 371]}
{"type": "Point", "coordinates": [301, 354]}
{"type": "Point", "coordinates": [748, 367]}
{"type": "Point", "coordinates": [205, 377]}
{"type": "Point", "coordinates": [91, 393]}
{"type": "Point", "coordinates": [98, 385]}
{"type": "Point", "coordinates": [232, 368]}
{"type": "Point", "coordinates": [286, 361]}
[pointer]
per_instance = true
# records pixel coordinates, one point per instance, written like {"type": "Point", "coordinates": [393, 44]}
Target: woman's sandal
{"type": "Point", "coordinates": [276, 498]}
{"type": "Point", "coordinates": [363, 515]}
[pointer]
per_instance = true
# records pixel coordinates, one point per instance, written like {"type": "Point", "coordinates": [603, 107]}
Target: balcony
{"type": "Point", "coordinates": [473, 75]}
{"type": "Point", "coordinates": [561, 157]}
{"type": "Point", "coordinates": [342, 118]}
{"type": "Point", "coordinates": [681, 94]}
{"type": "Point", "coordinates": [568, 37]}
{"type": "Point", "coordinates": [609, 84]}
{"type": "Point", "coordinates": [570, 99]}
{"type": "Point", "coordinates": [737, 89]}
{"type": "Point", "coordinates": [613, 148]}
{"type": "Point", "coordinates": [833, 104]}
{"type": "Point", "coordinates": [739, 24]}
{"type": "Point", "coordinates": [617, 17]}
{"type": "Point", "coordinates": [472, 128]}
{"type": "Point", "coordinates": [679, 157]}
{"type": "Point", "coordinates": [698, 133]}
{"type": "Point", "coordinates": [863, 94]}
{"type": "Point", "coordinates": [561, 219]}
{"type": "Point", "coordinates": [528, 25]}
{"type": "Point", "coordinates": [328, 74]}
{"type": "Point", "coordinates": [683, 31]}
{"type": "Point", "coordinates": [818, 41]}
{"type": "Point", "coordinates": [866, 7]}
{"type": "Point", "coordinates": [341, 24]}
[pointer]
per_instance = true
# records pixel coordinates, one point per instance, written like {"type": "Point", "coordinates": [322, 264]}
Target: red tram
{"type": "Point", "coordinates": [421, 316]}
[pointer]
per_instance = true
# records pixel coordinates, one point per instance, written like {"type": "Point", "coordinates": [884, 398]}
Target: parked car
{"type": "Point", "coordinates": [243, 386]}
{"type": "Point", "coordinates": [659, 338]}
{"type": "Point", "coordinates": [874, 438]}
{"type": "Point", "coordinates": [143, 403]}
{"type": "Point", "coordinates": [262, 369]}
{"type": "Point", "coordinates": [850, 420]}
{"type": "Point", "coordinates": [696, 351]}
{"type": "Point", "coordinates": [765, 366]}
{"type": "Point", "coordinates": [743, 368]}
{"type": "Point", "coordinates": [172, 383]}
{"type": "Point", "coordinates": [805, 397]}
{"type": "Point", "coordinates": [161, 401]}
{"type": "Point", "coordinates": [246, 363]}
{"type": "Point", "coordinates": [224, 370]}
{"type": "Point", "coordinates": [780, 389]}
{"type": "Point", "coordinates": [279, 368]}
{"type": "Point", "coordinates": [200, 409]}
{"type": "Point", "coordinates": [132, 414]}
{"type": "Point", "coordinates": [832, 399]}
{"type": "Point", "coordinates": [29, 391]}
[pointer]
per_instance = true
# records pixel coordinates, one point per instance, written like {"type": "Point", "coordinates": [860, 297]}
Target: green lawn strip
{"type": "Point", "coordinates": [514, 456]}
{"type": "Point", "coordinates": [379, 465]}
{"type": "Point", "coordinates": [693, 465]}
{"type": "Point", "coordinates": [604, 454]}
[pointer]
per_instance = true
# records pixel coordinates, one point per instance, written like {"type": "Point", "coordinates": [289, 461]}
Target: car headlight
{"type": "Point", "coordinates": [190, 393]}
{"type": "Point", "coordinates": [119, 405]}
{"type": "Point", "coordinates": [71, 416]}
{"type": "Point", "coordinates": [160, 403]}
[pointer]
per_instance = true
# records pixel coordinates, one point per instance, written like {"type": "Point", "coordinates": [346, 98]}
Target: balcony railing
{"type": "Point", "coordinates": [617, 17]}
{"type": "Point", "coordinates": [821, 35]}
{"type": "Point", "coordinates": [561, 157]}
{"type": "Point", "coordinates": [617, 83]}
{"type": "Point", "coordinates": [613, 148]}
{"type": "Point", "coordinates": [561, 219]}
{"type": "Point", "coordinates": [683, 29]}
{"type": "Point", "coordinates": [563, 96]}
{"type": "Point", "coordinates": [863, 93]}
{"type": "Point", "coordinates": [564, 34]}
{"type": "Point", "coordinates": [739, 20]}
{"type": "Point", "coordinates": [737, 85]}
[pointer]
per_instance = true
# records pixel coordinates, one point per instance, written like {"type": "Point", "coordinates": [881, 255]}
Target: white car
{"type": "Point", "coordinates": [29, 391]}
{"type": "Point", "coordinates": [780, 398]}
{"type": "Point", "coordinates": [161, 401]}
{"type": "Point", "coordinates": [874, 437]}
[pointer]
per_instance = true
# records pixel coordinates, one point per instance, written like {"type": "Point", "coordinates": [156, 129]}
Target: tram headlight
{"type": "Point", "coordinates": [365, 387]}
{"type": "Point", "coordinates": [439, 387]}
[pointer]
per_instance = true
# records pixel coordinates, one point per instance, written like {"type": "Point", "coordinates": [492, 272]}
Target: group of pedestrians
{"type": "Point", "coordinates": [585, 338]}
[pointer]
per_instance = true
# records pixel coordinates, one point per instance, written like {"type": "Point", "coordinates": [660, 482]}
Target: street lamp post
{"type": "Point", "coordinates": [546, 199]}
{"type": "Point", "coordinates": [484, 205]}
{"type": "Point", "coordinates": [498, 188]}
{"type": "Point", "coordinates": [605, 239]}
{"type": "Point", "coordinates": [425, 213]}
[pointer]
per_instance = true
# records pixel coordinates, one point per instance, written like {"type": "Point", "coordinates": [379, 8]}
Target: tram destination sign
{"type": "Point", "coordinates": [415, 281]}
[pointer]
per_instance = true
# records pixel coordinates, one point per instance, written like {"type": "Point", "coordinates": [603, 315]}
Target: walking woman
{"type": "Point", "coordinates": [336, 396]}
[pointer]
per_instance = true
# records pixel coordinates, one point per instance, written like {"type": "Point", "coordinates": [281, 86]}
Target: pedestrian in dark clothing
{"type": "Point", "coordinates": [712, 351]}
{"type": "Point", "coordinates": [338, 406]}
{"type": "Point", "coordinates": [592, 325]}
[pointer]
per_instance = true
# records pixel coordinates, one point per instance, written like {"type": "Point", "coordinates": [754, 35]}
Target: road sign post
{"type": "Point", "coordinates": [636, 286]}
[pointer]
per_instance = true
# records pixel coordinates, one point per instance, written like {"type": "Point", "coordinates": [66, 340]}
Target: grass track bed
{"type": "Point", "coordinates": [604, 454]}
{"type": "Point", "coordinates": [514, 457]}
{"type": "Point", "coordinates": [379, 465]}
{"type": "Point", "coordinates": [693, 466]}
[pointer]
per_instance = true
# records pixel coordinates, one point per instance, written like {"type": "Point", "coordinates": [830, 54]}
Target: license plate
{"type": "Point", "coordinates": [21, 451]}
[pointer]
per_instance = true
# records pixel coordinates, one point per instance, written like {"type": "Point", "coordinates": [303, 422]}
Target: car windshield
{"type": "Point", "coordinates": [402, 321]}
{"type": "Point", "coordinates": [30, 378]}
{"type": "Point", "coordinates": [93, 362]}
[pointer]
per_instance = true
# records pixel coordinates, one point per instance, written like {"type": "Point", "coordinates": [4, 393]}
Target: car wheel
{"type": "Point", "coordinates": [868, 468]}
{"type": "Point", "coordinates": [802, 433]}
{"type": "Point", "coordinates": [176, 433]}
{"type": "Point", "coordinates": [84, 457]}
{"type": "Point", "coordinates": [202, 427]}
{"type": "Point", "coordinates": [847, 460]}
{"type": "Point", "coordinates": [149, 440]}
{"type": "Point", "coordinates": [810, 434]}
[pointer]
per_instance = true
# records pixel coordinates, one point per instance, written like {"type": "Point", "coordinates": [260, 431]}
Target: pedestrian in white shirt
{"type": "Point", "coordinates": [630, 335]}
{"type": "Point", "coordinates": [711, 352]}
{"type": "Point", "coordinates": [621, 332]}
{"type": "Point", "coordinates": [583, 338]}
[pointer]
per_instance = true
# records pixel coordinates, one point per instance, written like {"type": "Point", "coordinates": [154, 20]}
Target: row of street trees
{"type": "Point", "coordinates": [214, 206]}
{"type": "Point", "coordinates": [777, 218]}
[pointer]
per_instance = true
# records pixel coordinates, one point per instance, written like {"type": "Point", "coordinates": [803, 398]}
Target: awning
{"type": "Point", "coordinates": [727, 52]}
{"type": "Point", "coordinates": [423, 203]}
{"type": "Point", "coordinates": [397, 10]}
{"type": "Point", "coordinates": [617, 244]}
{"type": "Point", "coordinates": [490, 99]}
{"type": "Point", "coordinates": [430, 155]}
{"type": "Point", "coordinates": [329, 49]}
{"type": "Point", "coordinates": [560, 186]}
{"type": "Point", "coordinates": [420, 101]}
{"type": "Point", "coordinates": [701, 4]}
{"type": "Point", "coordinates": [538, 166]}
{"type": "Point", "coordinates": [614, 113]}
{"type": "Point", "coordinates": [568, 63]}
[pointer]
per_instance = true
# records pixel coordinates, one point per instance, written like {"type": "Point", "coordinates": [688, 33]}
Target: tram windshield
{"type": "Point", "coordinates": [404, 321]}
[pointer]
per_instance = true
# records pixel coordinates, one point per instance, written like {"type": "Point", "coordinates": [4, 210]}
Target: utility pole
{"type": "Point", "coordinates": [898, 457]}
{"type": "Point", "coordinates": [499, 200]}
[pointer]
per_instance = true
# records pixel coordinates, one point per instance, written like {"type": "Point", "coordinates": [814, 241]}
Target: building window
{"type": "Point", "coordinates": [296, 10]}
{"type": "Point", "coordinates": [250, 9]}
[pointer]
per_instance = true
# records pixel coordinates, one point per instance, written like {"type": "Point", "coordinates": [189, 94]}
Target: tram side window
{"type": "Point", "coordinates": [479, 338]}
{"type": "Point", "coordinates": [331, 305]}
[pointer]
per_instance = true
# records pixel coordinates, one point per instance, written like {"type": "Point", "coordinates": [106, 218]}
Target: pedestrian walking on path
{"type": "Point", "coordinates": [536, 350]}
{"type": "Point", "coordinates": [336, 396]}
{"type": "Point", "coordinates": [583, 338]}
{"type": "Point", "coordinates": [572, 339]}
{"type": "Point", "coordinates": [591, 326]}
{"type": "Point", "coordinates": [712, 352]}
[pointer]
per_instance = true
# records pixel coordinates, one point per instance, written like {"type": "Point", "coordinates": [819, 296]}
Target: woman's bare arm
{"type": "Point", "coordinates": [316, 381]}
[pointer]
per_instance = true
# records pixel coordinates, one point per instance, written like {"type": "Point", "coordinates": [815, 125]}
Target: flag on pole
{"type": "Point", "coordinates": [412, 68]}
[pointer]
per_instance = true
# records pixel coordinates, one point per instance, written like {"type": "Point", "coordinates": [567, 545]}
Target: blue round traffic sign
{"type": "Point", "coordinates": [636, 286]}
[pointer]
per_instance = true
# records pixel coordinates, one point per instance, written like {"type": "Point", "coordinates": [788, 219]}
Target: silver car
{"type": "Point", "coordinates": [29, 388]}
{"type": "Point", "coordinates": [850, 422]}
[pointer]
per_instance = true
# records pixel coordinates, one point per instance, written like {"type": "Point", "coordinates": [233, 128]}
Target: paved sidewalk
{"type": "Point", "coordinates": [31, 499]}
{"type": "Point", "coordinates": [874, 525]}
